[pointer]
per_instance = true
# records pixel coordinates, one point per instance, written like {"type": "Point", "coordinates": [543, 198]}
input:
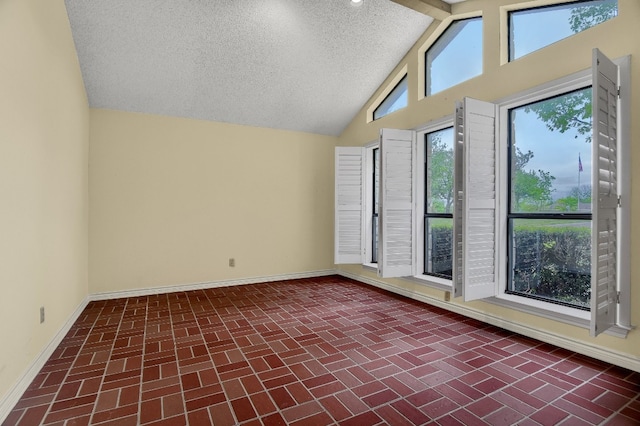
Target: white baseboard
{"type": "Point", "coordinates": [612, 357]}
{"type": "Point", "coordinates": [13, 396]}
{"type": "Point", "coordinates": [210, 284]}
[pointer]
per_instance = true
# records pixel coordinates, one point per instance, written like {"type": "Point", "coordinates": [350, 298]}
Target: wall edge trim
{"type": "Point", "coordinates": [11, 398]}
{"type": "Point", "coordinates": [615, 358]}
{"type": "Point", "coordinates": [208, 284]}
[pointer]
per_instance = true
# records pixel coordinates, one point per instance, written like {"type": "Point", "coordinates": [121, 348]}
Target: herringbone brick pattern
{"type": "Point", "coordinates": [319, 351]}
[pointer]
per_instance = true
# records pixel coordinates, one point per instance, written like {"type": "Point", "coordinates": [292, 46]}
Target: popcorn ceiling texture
{"type": "Point", "coordinates": [305, 65]}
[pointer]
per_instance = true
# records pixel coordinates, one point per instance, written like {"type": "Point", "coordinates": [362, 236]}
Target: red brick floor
{"type": "Point", "coordinates": [312, 352]}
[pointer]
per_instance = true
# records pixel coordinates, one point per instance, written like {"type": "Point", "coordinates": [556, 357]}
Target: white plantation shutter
{"type": "Point", "coordinates": [604, 194]}
{"type": "Point", "coordinates": [480, 261]}
{"type": "Point", "coordinates": [349, 193]}
{"type": "Point", "coordinates": [458, 191]}
{"type": "Point", "coordinates": [396, 250]}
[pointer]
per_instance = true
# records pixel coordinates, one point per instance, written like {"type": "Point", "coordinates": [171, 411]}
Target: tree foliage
{"type": "Point", "coordinates": [532, 189]}
{"type": "Point", "coordinates": [586, 17]}
{"type": "Point", "coordinates": [440, 176]}
{"type": "Point", "coordinates": [571, 111]}
{"type": "Point", "coordinates": [570, 202]}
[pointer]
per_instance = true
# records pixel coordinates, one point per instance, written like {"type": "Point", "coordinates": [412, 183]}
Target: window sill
{"type": "Point", "coordinates": [576, 317]}
{"type": "Point", "coordinates": [434, 282]}
{"type": "Point", "coordinates": [563, 314]}
{"type": "Point", "coordinates": [370, 266]}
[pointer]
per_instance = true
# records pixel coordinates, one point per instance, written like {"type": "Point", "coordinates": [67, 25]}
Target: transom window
{"type": "Point", "coordinates": [549, 217]}
{"type": "Point", "coordinates": [395, 100]}
{"type": "Point", "coordinates": [534, 28]}
{"type": "Point", "coordinates": [455, 57]}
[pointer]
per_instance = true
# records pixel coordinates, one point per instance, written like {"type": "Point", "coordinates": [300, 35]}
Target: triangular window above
{"type": "Point", "coordinates": [395, 100]}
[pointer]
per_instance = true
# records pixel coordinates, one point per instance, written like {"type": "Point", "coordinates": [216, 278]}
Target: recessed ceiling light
{"type": "Point", "coordinates": [356, 2]}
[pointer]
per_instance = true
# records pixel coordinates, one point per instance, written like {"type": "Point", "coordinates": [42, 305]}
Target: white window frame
{"type": "Point", "coordinates": [548, 310]}
{"type": "Point", "coordinates": [368, 204]}
{"type": "Point", "coordinates": [505, 27]}
{"type": "Point", "coordinates": [421, 132]}
{"type": "Point", "coordinates": [423, 86]}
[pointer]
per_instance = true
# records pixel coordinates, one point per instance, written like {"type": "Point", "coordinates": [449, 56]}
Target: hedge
{"type": "Point", "coordinates": [550, 262]}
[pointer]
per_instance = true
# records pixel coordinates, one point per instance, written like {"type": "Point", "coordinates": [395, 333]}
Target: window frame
{"type": "Point", "coordinates": [368, 258]}
{"type": "Point", "coordinates": [509, 10]}
{"type": "Point", "coordinates": [425, 92]}
{"type": "Point", "coordinates": [549, 310]}
{"type": "Point", "coordinates": [392, 92]}
{"type": "Point", "coordinates": [421, 134]}
{"type": "Point", "coordinates": [511, 215]}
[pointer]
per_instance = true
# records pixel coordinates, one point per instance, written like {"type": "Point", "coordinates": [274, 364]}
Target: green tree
{"type": "Point", "coordinates": [532, 188]}
{"type": "Point", "coordinates": [570, 202]}
{"type": "Point", "coordinates": [586, 17]}
{"type": "Point", "coordinates": [571, 111]}
{"type": "Point", "coordinates": [440, 177]}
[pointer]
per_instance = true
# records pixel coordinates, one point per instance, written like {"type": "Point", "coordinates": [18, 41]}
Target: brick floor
{"type": "Point", "coordinates": [322, 351]}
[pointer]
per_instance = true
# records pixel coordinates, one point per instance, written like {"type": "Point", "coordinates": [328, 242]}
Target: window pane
{"type": "Point", "coordinates": [438, 248]}
{"type": "Point", "coordinates": [394, 101]}
{"type": "Point", "coordinates": [455, 57]}
{"type": "Point", "coordinates": [551, 155]}
{"type": "Point", "coordinates": [376, 179]}
{"type": "Point", "coordinates": [533, 29]}
{"type": "Point", "coordinates": [439, 169]}
{"type": "Point", "coordinates": [551, 260]}
{"type": "Point", "coordinates": [375, 196]}
{"type": "Point", "coordinates": [374, 239]}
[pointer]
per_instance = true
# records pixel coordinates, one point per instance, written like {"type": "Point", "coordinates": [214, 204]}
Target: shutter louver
{"type": "Point", "coordinates": [349, 196]}
{"type": "Point", "coordinates": [604, 194]}
{"type": "Point", "coordinates": [480, 201]}
{"type": "Point", "coordinates": [397, 199]}
{"type": "Point", "coordinates": [458, 191]}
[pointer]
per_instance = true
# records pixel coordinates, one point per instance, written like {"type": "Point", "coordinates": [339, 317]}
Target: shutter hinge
{"type": "Point", "coordinates": [618, 298]}
{"type": "Point", "coordinates": [619, 200]}
{"type": "Point", "coordinates": [618, 91]}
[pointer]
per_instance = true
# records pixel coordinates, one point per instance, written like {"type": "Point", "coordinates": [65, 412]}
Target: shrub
{"type": "Point", "coordinates": [551, 262]}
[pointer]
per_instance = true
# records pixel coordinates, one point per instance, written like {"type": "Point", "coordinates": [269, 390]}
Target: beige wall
{"type": "Point", "coordinates": [617, 37]}
{"type": "Point", "coordinates": [44, 131]}
{"type": "Point", "coordinates": [173, 199]}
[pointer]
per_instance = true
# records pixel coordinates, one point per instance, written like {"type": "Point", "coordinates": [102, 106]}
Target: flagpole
{"type": "Point", "coordinates": [579, 171]}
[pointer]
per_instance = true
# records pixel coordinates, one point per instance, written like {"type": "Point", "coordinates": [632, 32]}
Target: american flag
{"type": "Point", "coordinates": [579, 163]}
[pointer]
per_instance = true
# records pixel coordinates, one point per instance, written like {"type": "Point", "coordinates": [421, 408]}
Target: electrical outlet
{"type": "Point", "coordinates": [447, 296]}
{"type": "Point", "coordinates": [41, 314]}
{"type": "Point", "coordinates": [232, 262]}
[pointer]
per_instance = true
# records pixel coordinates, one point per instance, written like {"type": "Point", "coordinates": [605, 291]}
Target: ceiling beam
{"type": "Point", "coordinates": [437, 9]}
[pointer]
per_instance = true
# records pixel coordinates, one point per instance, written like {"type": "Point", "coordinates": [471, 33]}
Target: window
{"type": "Point", "coordinates": [395, 100]}
{"type": "Point", "coordinates": [540, 220]}
{"type": "Point", "coordinates": [375, 184]}
{"type": "Point", "coordinates": [534, 28]}
{"type": "Point", "coordinates": [456, 56]}
{"type": "Point", "coordinates": [438, 203]}
{"type": "Point", "coordinates": [549, 214]}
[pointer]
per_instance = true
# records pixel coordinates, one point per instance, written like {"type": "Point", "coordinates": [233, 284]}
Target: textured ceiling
{"type": "Point", "coordinates": [306, 65]}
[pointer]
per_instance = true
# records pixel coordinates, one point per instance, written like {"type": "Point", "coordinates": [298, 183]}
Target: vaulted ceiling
{"type": "Point", "coordinates": [304, 65]}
